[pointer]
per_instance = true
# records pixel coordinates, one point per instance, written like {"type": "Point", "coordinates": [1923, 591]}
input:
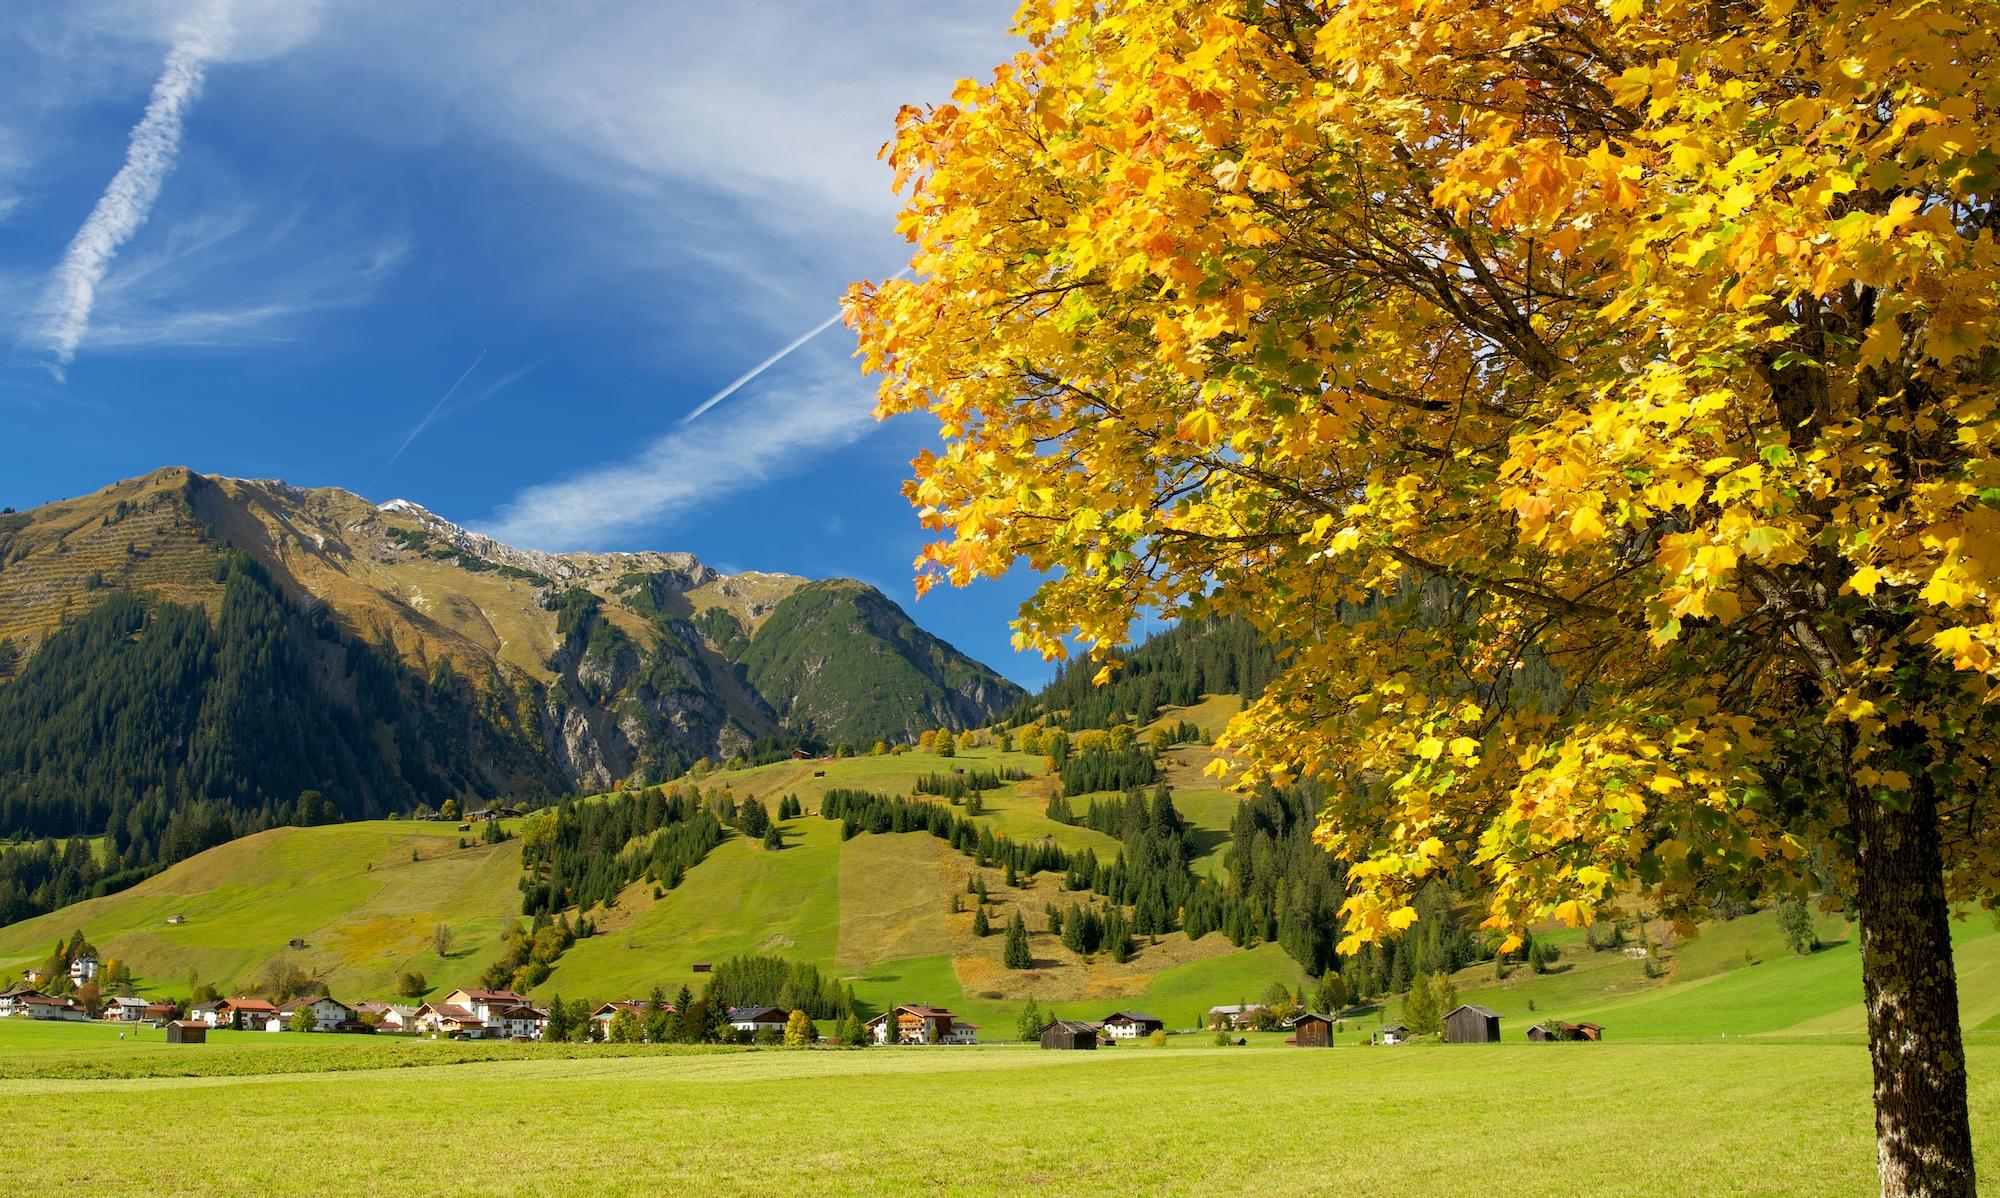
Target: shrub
{"type": "Point", "coordinates": [1157, 1038]}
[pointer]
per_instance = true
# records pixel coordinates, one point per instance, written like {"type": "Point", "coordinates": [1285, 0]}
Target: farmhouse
{"type": "Point", "coordinates": [756, 1019]}
{"type": "Point", "coordinates": [393, 1016]}
{"type": "Point", "coordinates": [12, 1000]}
{"type": "Point", "coordinates": [1068, 1034]}
{"type": "Point", "coordinates": [1132, 1025]}
{"type": "Point", "coordinates": [1471, 1023]}
{"type": "Point", "coordinates": [1395, 1033]}
{"type": "Point", "coordinates": [44, 1007]}
{"type": "Point", "coordinates": [961, 1033]}
{"type": "Point", "coordinates": [603, 1015]}
{"type": "Point", "coordinates": [120, 1009]}
{"type": "Point", "coordinates": [82, 969]}
{"type": "Point", "coordinates": [482, 1003]}
{"type": "Point", "coordinates": [244, 1013]}
{"type": "Point", "coordinates": [158, 1013]}
{"type": "Point", "coordinates": [913, 1023]}
{"type": "Point", "coordinates": [326, 1013]}
{"type": "Point", "coordinates": [187, 1031]}
{"type": "Point", "coordinates": [518, 1023]}
{"type": "Point", "coordinates": [449, 1019]}
{"type": "Point", "coordinates": [1236, 1015]}
{"type": "Point", "coordinates": [1312, 1030]}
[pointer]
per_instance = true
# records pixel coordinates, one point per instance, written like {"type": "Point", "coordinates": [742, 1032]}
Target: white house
{"type": "Point", "coordinates": [960, 1033]}
{"type": "Point", "coordinates": [82, 969]}
{"type": "Point", "coordinates": [124, 1010]}
{"type": "Point", "coordinates": [914, 1023]}
{"type": "Point", "coordinates": [14, 999]}
{"type": "Point", "coordinates": [483, 1003]}
{"type": "Point", "coordinates": [1234, 1015]}
{"type": "Point", "coordinates": [757, 1019]}
{"type": "Point", "coordinates": [1395, 1033]}
{"type": "Point", "coordinates": [518, 1023]}
{"type": "Point", "coordinates": [449, 1019]}
{"type": "Point", "coordinates": [392, 1016]}
{"type": "Point", "coordinates": [1132, 1025]}
{"type": "Point", "coordinates": [62, 1009]}
{"type": "Point", "coordinates": [325, 1012]}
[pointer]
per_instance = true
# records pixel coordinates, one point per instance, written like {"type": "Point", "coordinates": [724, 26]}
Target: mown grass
{"type": "Point", "coordinates": [1745, 1119]}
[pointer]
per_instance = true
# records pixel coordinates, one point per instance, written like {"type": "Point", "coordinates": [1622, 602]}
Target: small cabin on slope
{"type": "Point", "coordinates": [1471, 1023]}
{"type": "Point", "coordinates": [1068, 1034]}
{"type": "Point", "coordinates": [187, 1031]}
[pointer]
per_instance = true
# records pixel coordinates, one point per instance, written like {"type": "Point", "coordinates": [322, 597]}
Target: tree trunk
{"type": "Point", "coordinates": [1923, 1131]}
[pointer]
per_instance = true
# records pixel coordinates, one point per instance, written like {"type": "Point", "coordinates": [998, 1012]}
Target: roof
{"type": "Point", "coordinates": [1068, 1025]}
{"type": "Point", "coordinates": [521, 1013]}
{"type": "Point", "coordinates": [1236, 1008]}
{"type": "Point", "coordinates": [621, 1004]}
{"type": "Point", "coordinates": [315, 1000]}
{"type": "Point", "coordinates": [1305, 1016]}
{"type": "Point", "coordinates": [1133, 1017]}
{"type": "Point", "coordinates": [491, 996]}
{"type": "Point", "coordinates": [754, 1014]}
{"type": "Point", "coordinates": [914, 1008]}
{"type": "Point", "coordinates": [1397, 1028]}
{"type": "Point", "coordinates": [1475, 1008]}
{"type": "Point", "coordinates": [245, 1004]}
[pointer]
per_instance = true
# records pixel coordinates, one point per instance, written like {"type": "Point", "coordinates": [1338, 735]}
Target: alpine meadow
{"type": "Point", "coordinates": [1440, 635]}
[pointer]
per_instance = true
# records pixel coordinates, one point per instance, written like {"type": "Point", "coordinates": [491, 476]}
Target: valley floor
{"type": "Point", "coordinates": [1746, 1117]}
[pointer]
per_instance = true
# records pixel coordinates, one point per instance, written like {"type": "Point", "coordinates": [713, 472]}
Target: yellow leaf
{"type": "Point", "coordinates": [1402, 917]}
{"type": "Point", "coordinates": [1864, 580]}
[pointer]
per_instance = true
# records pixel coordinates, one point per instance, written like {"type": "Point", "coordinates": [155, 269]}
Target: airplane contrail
{"type": "Point", "coordinates": [771, 361]}
{"type": "Point", "coordinates": [432, 414]}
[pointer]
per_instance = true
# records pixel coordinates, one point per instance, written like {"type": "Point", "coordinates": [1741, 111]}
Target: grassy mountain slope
{"type": "Point", "coordinates": [850, 666]}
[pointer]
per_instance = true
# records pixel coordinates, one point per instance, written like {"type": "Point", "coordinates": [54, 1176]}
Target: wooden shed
{"type": "Point", "coordinates": [1312, 1030]}
{"type": "Point", "coordinates": [1068, 1033]}
{"type": "Point", "coordinates": [1472, 1024]}
{"type": "Point", "coordinates": [1589, 1031]}
{"type": "Point", "coordinates": [187, 1031]}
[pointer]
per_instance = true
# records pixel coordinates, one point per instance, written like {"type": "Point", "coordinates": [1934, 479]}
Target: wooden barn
{"type": "Point", "coordinates": [1589, 1031]}
{"type": "Point", "coordinates": [1312, 1030]}
{"type": "Point", "coordinates": [1543, 1033]}
{"type": "Point", "coordinates": [1068, 1033]}
{"type": "Point", "coordinates": [1472, 1024]}
{"type": "Point", "coordinates": [187, 1031]}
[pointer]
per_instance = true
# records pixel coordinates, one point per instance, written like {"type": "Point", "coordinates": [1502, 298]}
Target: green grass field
{"type": "Point", "coordinates": [1745, 1118]}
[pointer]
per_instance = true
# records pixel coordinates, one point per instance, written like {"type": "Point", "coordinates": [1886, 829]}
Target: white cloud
{"type": "Point", "coordinates": [199, 33]}
{"type": "Point", "coordinates": [745, 444]}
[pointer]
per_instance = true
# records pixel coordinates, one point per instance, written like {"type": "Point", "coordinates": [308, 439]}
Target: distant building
{"type": "Point", "coordinates": [914, 1023]}
{"type": "Point", "coordinates": [1471, 1023]}
{"type": "Point", "coordinates": [482, 1003]}
{"type": "Point", "coordinates": [1234, 1016]}
{"type": "Point", "coordinates": [326, 1012]}
{"type": "Point", "coordinates": [177, 920]}
{"type": "Point", "coordinates": [124, 1010]}
{"type": "Point", "coordinates": [757, 1019]}
{"type": "Point", "coordinates": [1395, 1033]}
{"type": "Point", "coordinates": [13, 1001]}
{"type": "Point", "coordinates": [82, 969]}
{"type": "Point", "coordinates": [604, 1014]}
{"type": "Point", "coordinates": [1312, 1030]}
{"type": "Point", "coordinates": [518, 1023]}
{"type": "Point", "coordinates": [187, 1031]}
{"type": "Point", "coordinates": [1068, 1034]}
{"type": "Point", "coordinates": [248, 1014]}
{"type": "Point", "coordinates": [1132, 1025]}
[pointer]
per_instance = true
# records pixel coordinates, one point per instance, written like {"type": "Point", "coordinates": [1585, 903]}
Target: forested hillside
{"type": "Point", "coordinates": [1197, 657]}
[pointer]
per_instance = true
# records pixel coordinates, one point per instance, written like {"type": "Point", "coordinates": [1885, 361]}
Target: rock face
{"type": "Point", "coordinates": [616, 666]}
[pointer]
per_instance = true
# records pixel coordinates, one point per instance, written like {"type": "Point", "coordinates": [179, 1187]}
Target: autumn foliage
{"type": "Point", "coordinates": [1599, 401]}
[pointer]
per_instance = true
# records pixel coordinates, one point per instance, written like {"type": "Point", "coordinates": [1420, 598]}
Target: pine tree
{"type": "Point", "coordinates": [1017, 954]}
{"type": "Point", "coordinates": [979, 926]}
{"type": "Point", "coordinates": [1029, 1025]}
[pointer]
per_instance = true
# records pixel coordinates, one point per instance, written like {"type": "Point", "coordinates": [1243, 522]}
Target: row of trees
{"type": "Point", "coordinates": [580, 854]}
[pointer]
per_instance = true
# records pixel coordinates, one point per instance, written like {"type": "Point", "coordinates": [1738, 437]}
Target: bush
{"type": "Point", "coordinates": [1222, 1039]}
{"type": "Point", "coordinates": [768, 1036]}
{"type": "Point", "coordinates": [412, 985]}
{"type": "Point", "coordinates": [1157, 1038]}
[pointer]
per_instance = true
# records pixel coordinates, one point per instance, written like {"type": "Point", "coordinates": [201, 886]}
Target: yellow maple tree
{"type": "Point", "coordinates": [1598, 401]}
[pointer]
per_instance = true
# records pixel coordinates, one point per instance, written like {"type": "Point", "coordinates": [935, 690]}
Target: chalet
{"type": "Point", "coordinates": [518, 1023]}
{"type": "Point", "coordinates": [1132, 1025]}
{"type": "Point", "coordinates": [1236, 1015]}
{"type": "Point", "coordinates": [187, 1031]}
{"type": "Point", "coordinates": [1312, 1030]}
{"type": "Point", "coordinates": [176, 920]}
{"type": "Point", "coordinates": [82, 969]}
{"type": "Point", "coordinates": [58, 1009]}
{"type": "Point", "coordinates": [961, 1033]}
{"type": "Point", "coordinates": [757, 1019]}
{"type": "Point", "coordinates": [913, 1023]}
{"type": "Point", "coordinates": [158, 1013]}
{"type": "Point", "coordinates": [1068, 1034]}
{"type": "Point", "coordinates": [326, 1012]}
{"type": "Point", "coordinates": [801, 755]}
{"type": "Point", "coordinates": [449, 1019]}
{"type": "Point", "coordinates": [603, 1015]}
{"type": "Point", "coordinates": [1395, 1033]}
{"type": "Point", "coordinates": [390, 1015]}
{"type": "Point", "coordinates": [12, 1000]}
{"type": "Point", "coordinates": [244, 1013]}
{"type": "Point", "coordinates": [1471, 1023]}
{"type": "Point", "coordinates": [482, 1003]}
{"type": "Point", "coordinates": [124, 1010]}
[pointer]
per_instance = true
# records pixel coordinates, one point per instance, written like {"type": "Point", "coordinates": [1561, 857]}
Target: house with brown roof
{"type": "Point", "coordinates": [518, 1023]}
{"type": "Point", "coordinates": [1131, 1025]}
{"type": "Point", "coordinates": [327, 1013]}
{"type": "Point", "coordinates": [607, 1012]}
{"type": "Point", "coordinates": [449, 1019]}
{"type": "Point", "coordinates": [482, 1003]}
{"type": "Point", "coordinates": [13, 999]}
{"type": "Point", "coordinates": [242, 1013]}
{"type": "Point", "coordinates": [62, 1010]}
{"type": "Point", "coordinates": [914, 1023]}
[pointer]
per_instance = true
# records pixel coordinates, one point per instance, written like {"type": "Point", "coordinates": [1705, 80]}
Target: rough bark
{"type": "Point", "coordinates": [1923, 1130]}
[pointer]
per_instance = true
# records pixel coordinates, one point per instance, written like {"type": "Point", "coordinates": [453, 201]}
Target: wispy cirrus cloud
{"type": "Point", "coordinates": [744, 445]}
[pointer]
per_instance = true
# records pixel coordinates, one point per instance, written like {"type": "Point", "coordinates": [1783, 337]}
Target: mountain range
{"type": "Point", "coordinates": [477, 669]}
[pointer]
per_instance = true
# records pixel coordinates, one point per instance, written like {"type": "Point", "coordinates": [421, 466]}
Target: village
{"type": "Point", "coordinates": [482, 1014]}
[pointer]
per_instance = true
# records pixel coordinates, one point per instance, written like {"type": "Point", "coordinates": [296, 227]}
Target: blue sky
{"type": "Point", "coordinates": [268, 237]}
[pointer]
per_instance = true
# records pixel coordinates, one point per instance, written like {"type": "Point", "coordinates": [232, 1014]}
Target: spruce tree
{"type": "Point", "coordinates": [979, 926]}
{"type": "Point", "coordinates": [1017, 955]}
